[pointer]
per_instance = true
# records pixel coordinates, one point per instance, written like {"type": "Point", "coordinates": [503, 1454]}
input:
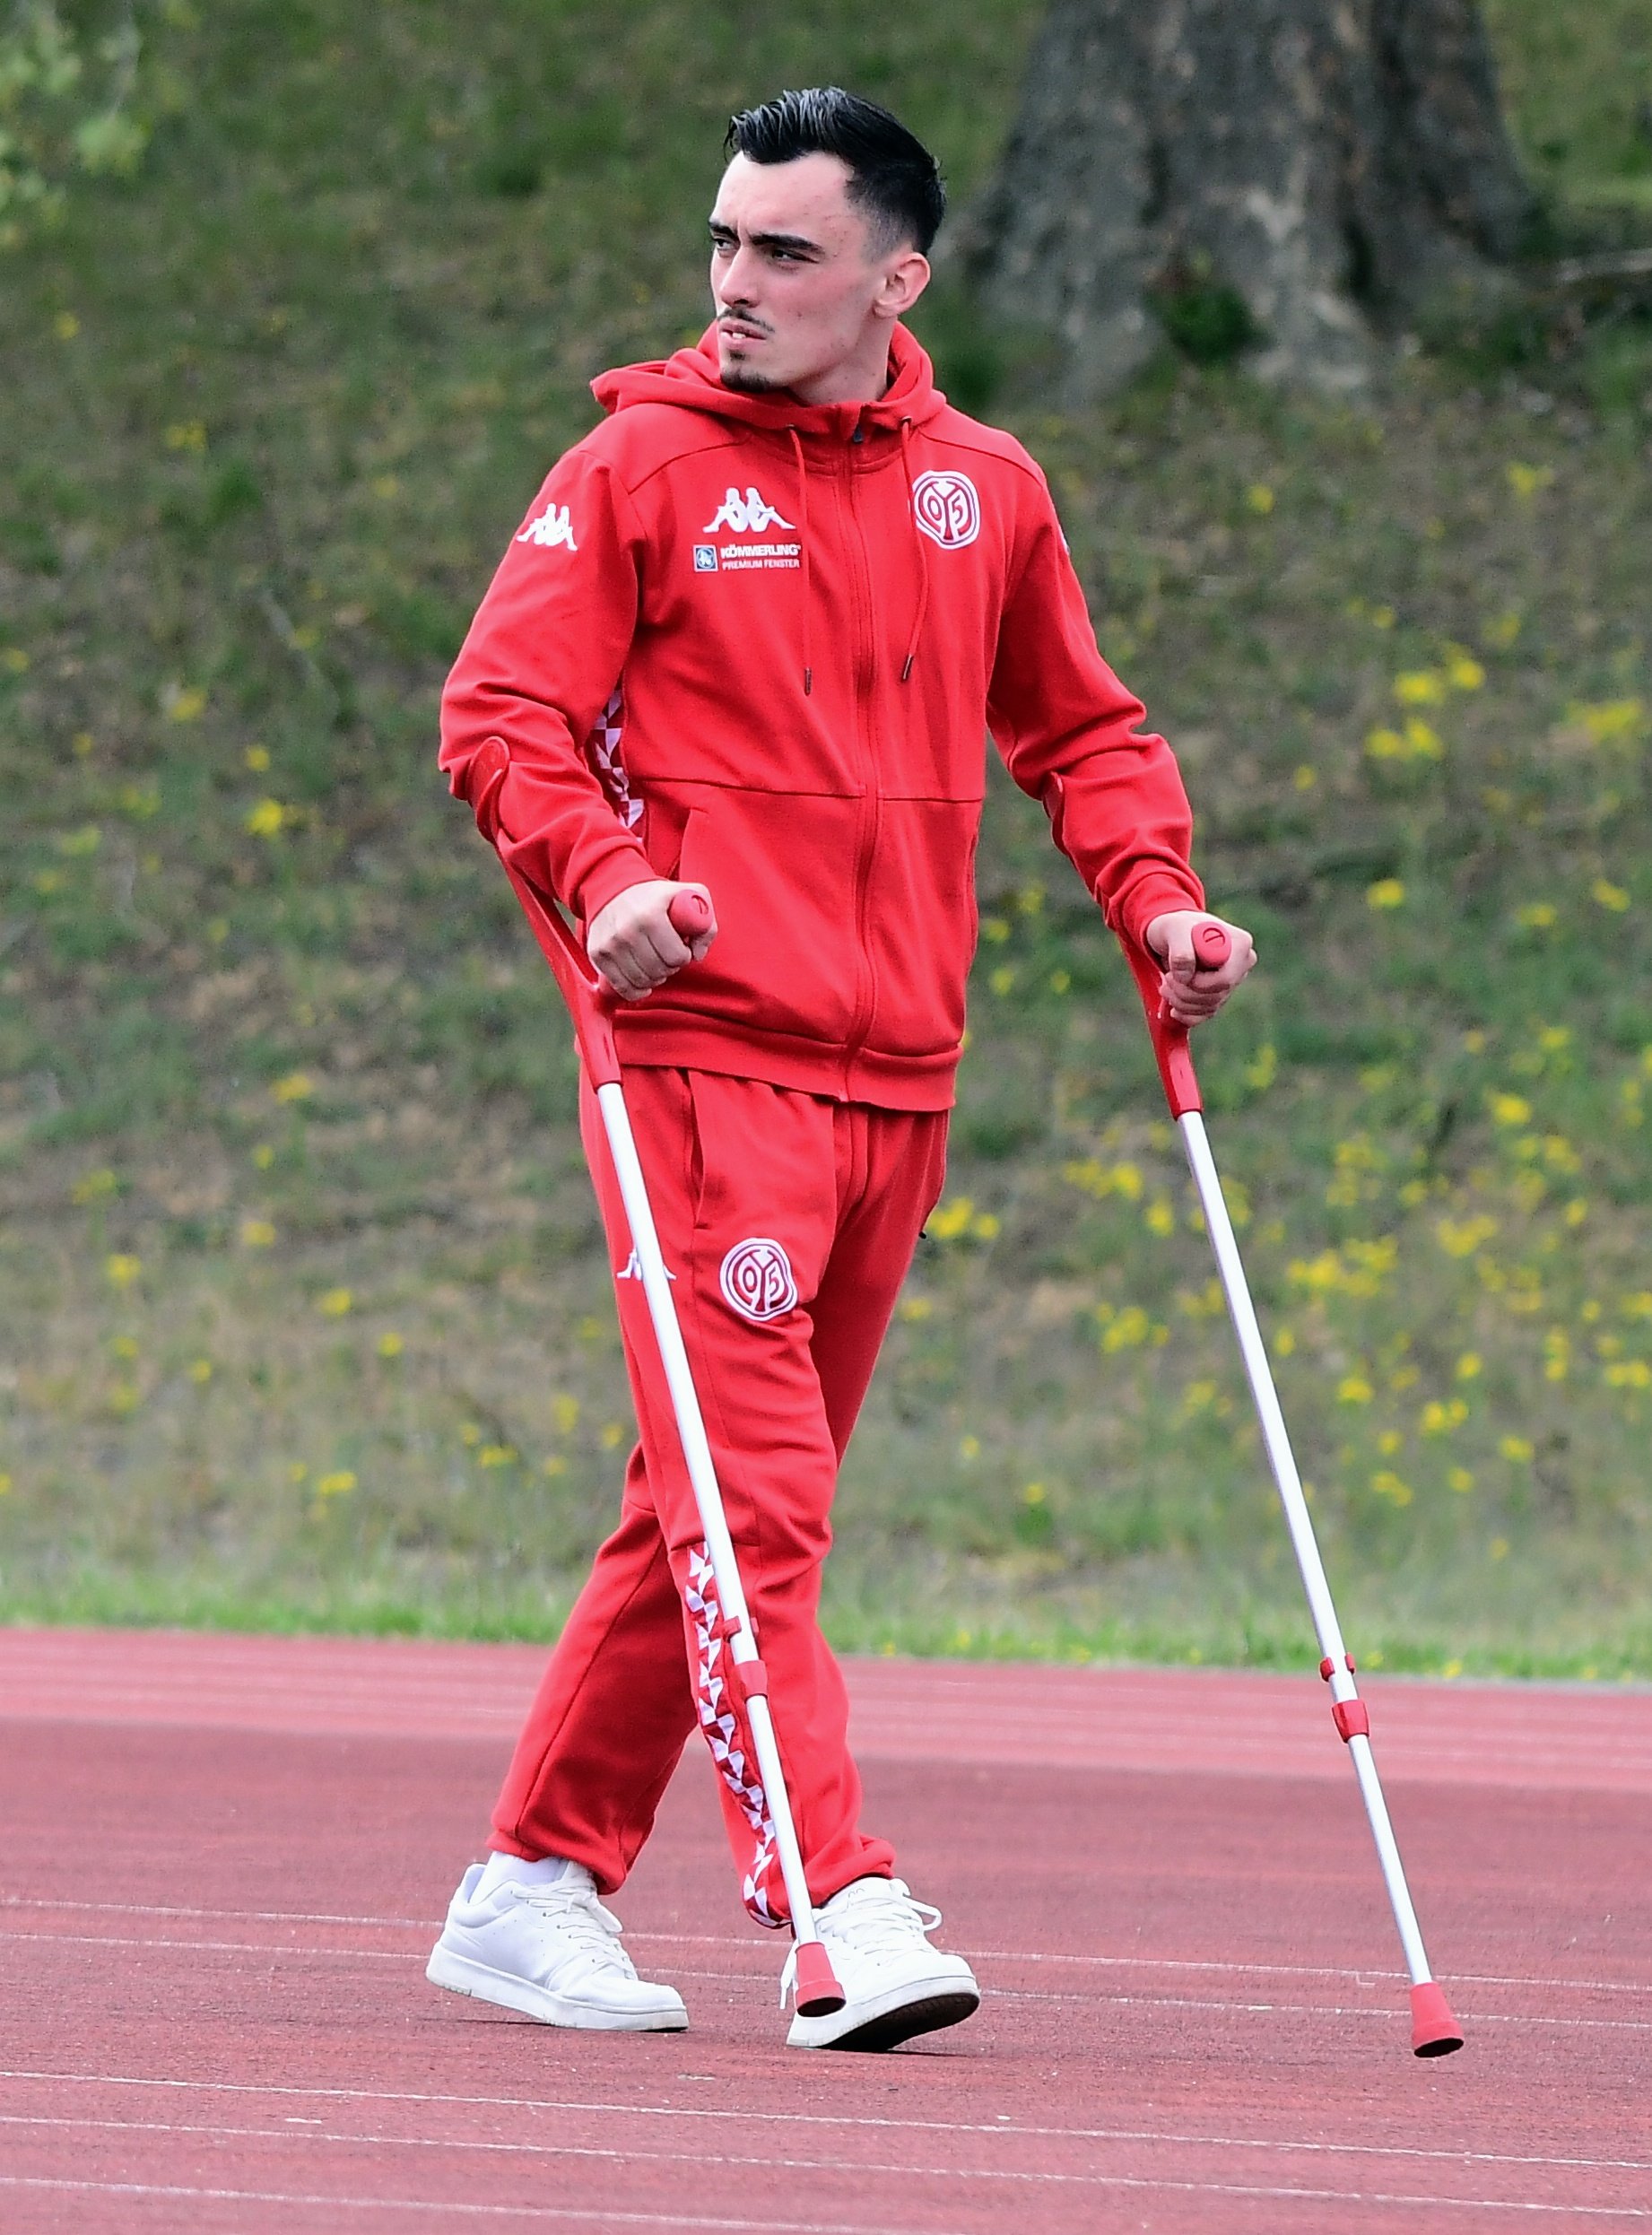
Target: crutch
{"type": "Point", "coordinates": [1434, 2031]}
{"type": "Point", "coordinates": [818, 1993]}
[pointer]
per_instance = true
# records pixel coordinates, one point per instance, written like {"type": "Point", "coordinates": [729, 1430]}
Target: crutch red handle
{"type": "Point", "coordinates": [1435, 2032]}
{"type": "Point", "coordinates": [590, 1003]}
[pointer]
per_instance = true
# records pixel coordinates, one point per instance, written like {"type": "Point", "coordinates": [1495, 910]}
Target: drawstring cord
{"type": "Point", "coordinates": [923, 560]}
{"type": "Point", "coordinates": [803, 530]}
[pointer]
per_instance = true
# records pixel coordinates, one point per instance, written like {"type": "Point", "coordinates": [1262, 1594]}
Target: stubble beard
{"type": "Point", "coordinates": [748, 381]}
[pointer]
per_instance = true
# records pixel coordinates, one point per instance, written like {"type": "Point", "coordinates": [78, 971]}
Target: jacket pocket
{"type": "Point", "coordinates": [921, 923]}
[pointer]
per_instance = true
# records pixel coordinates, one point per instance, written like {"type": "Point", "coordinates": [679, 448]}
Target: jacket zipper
{"type": "Point", "coordinates": [869, 819]}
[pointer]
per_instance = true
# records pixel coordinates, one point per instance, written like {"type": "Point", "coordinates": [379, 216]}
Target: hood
{"type": "Point", "coordinates": [689, 378]}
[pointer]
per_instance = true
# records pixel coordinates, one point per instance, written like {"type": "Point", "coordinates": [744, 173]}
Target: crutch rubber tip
{"type": "Point", "coordinates": [1434, 2031]}
{"type": "Point", "coordinates": [818, 1995]}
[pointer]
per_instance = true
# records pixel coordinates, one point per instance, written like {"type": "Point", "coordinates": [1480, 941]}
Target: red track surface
{"type": "Point", "coordinates": [224, 1860]}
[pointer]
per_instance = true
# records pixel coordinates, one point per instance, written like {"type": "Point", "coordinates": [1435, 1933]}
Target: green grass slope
{"type": "Point", "coordinates": [308, 1317]}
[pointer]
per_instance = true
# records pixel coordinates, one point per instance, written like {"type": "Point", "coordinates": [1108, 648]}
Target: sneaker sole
{"type": "Point", "coordinates": [462, 1975]}
{"type": "Point", "coordinates": [888, 2027]}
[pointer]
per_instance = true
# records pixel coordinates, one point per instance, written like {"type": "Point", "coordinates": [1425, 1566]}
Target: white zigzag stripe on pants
{"type": "Point", "coordinates": [712, 1691]}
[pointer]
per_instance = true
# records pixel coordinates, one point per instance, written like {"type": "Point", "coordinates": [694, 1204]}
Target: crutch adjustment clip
{"type": "Point", "coordinates": [750, 1679]}
{"type": "Point", "coordinates": [1328, 1665]}
{"type": "Point", "coordinates": [1352, 1719]}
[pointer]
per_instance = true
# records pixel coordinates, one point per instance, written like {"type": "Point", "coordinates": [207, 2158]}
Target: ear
{"type": "Point", "coordinates": [905, 278]}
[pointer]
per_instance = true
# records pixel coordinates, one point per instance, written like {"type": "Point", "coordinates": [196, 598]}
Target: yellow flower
{"type": "Point", "coordinates": [1465, 672]}
{"type": "Point", "coordinates": [1354, 1389]}
{"type": "Point", "coordinates": [335, 1303]}
{"type": "Point", "coordinates": [263, 1156]}
{"type": "Point", "coordinates": [338, 1484]}
{"type": "Point", "coordinates": [1285, 1342]}
{"type": "Point", "coordinates": [1461, 1239]}
{"type": "Point", "coordinates": [1460, 1480]}
{"type": "Point", "coordinates": [386, 485]}
{"type": "Point", "coordinates": [985, 1225]}
{"type": "Point", "coordinates": [1130, 1327]}
{"type": "Point", "coordinates": [1502, 632]}
{"type": "Point", "coordinates": [612, 1434]}
{"type": "Point", "coordinates": [1382, 616]}
{"type": "Point", "coordinates": [555, 1464]}
{"type": "Point", "coordinates": [1525, 481]}
{"type": "Point", "coordinates": [5, 1485]}
{"type": "Point", "coordinates": [1576, 1211]}
{"type": "Point", "coordinates": [1386, 892]}
{"type": "Point", "coordinates": [391, 1346]}
{"type": "Point", "coordinates": [188, 434]}
{"type": "Point", "coordinates": [1003, 979]}
{"type": "Point", "coordinates": [1517, 1449]}
{"type": "Point", "coordinates": [201, 1372]}
{"type": "Point", "coordinates": [1305, 778]}
{"type": "Point", "coordinates": [1499, 1548]}
{"type": "Point", "coordinates": [1259, 497]}
{"type": "Point", "coordinates": [257, 1233]}
{"type": "Point", "coordinates": [14, 660]}
{"type": "Point", "coordinates": [183, 705]}
{"type": "Point", "coordinates": [65, 326]}
{"type": "Point", "coordinates": [296, 1087]}
{"type": "Point", "coordinates": [1438, 1420]}
{"type": "Point", "coordinates": [267, 819]}
{"type": "Point", "coordinates": [1468, 1366]}
{"type": "Point", "coordinates": [497, 1454]}
{"type": "Point", "coordinates": [1034, 1494]}
{"type": "Point", "coordinates": [968, 1446]}
{"type": "Point", "coordinates": [93, 1187]}
{"type": "Point", "coordinates": [1613, 721]}
{"type": "Point", "coordinates": [1509, 1109]}
{"type": "Point", "coordinates": [995, 928]}
{"type": "Point", "coordinates": [1387, 1484]}
{"type": "Point", "coordinates": [1607, 895]}
{"type": "Point", "coordinates": [1060, 981]}
{"type": "Point", "coordinates": [565, 1412]}
{"type": "Point", "coordinates": [1537, 914]}
{"type": "Point", "coordinates": [1389, 1442]}
{"type": "Point", "coordinates": [122, 1269]}
{"type": "Point", "coordinates": [1630, 1373]}
{"type": "Point", "coordinates": [1421, 687]}
{"type": "Point", "coordinates": [1160, 1218]}
{"type": "Point", "coordinates": [916, 1308]}
{"type": "Point", "coordinates": [257, 759]}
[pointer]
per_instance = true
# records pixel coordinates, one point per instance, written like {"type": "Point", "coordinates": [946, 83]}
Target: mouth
{"type": "Point", "coordinates": [738, 330]}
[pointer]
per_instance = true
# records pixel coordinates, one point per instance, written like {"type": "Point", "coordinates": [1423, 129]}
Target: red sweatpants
{"type": "Point", "coordinates": [787, 1222]}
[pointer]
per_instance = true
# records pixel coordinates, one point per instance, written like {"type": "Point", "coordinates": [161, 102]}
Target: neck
{"type": "Point", "coordinates": [861, 378]}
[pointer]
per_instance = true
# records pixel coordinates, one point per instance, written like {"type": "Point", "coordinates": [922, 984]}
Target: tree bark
{"type": "Point", "coordinates": [1332, 165]}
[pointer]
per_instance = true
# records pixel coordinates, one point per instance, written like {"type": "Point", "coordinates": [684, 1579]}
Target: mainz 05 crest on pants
{"type": "Point", "coordinates": [756, 1279]}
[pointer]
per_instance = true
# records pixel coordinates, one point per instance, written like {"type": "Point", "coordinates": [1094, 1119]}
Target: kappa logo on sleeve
{"type": "Point", "coordinates": [554, 526]}
{"type": "Point", "coordinates": [744, 515]}
{"type": "Point", "coordinates": [947, 509]}
{"type": "Point", "coordinates": [756, 1280]}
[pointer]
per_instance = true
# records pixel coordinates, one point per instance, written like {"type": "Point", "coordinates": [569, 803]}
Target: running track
{"type": "Point", "coordinates": [223, 1859]}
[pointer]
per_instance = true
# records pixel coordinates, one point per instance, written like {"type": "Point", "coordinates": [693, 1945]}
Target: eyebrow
{"type": "Point", "coordinates": [795, 244]}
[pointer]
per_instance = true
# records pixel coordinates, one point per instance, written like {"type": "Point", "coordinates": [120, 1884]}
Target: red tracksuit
{"type": "Point", "coordinates": [754, 644]}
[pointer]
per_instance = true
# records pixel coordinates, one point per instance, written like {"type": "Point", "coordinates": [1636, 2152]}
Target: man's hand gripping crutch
{"type": "Point", "coordinates": [1435, 2032]}
{"type": "Point", "coordinates": [589, 998]}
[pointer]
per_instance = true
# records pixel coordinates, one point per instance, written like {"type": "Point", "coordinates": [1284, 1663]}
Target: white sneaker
{"type": "Point", "coordinates": [895, 1985]}
{"type": "Point", "coordinates": [550, 1952]}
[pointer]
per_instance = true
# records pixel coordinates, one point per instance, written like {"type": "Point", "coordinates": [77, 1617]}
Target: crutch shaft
{"type": "Point", "coordinates": [816, 1986]}
{"type": "Point", "coordinates": [1434, 2029]}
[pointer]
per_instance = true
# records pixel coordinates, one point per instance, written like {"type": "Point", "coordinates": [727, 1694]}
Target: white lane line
{"type": "Point", "coordinates": [604, 2216]}
{"type": "Point", "coordinates": [590, 2215]}
{"type": "Point", "coordinates": [1009, 2176]}
{"type": "Point", "coordinates": [220, 1947]}
{"type": "Point", "coordinates": [1357, 1975]}
{"type": "Point", "coordinates": [1214, 2004]}
{"type": "Point", "coordinates": [753, 2116]}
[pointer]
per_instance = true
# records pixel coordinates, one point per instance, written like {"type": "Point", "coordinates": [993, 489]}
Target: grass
{"type": "Point", "coordinates": [309, 1320]}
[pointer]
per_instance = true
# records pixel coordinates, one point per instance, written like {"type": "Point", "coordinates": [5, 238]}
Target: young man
{"type": "Point", "coordinates": [747, 644]}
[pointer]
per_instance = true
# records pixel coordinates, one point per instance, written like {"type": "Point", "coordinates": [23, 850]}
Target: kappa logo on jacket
{"type": "Point", "coordinates": [756, 1280]}
{"type": "Point", "coordinates": [947, 509]}
{"type": "Point", "coordinates": [744, 515]}
{"type": "Point", "coordinates": [554, 526]}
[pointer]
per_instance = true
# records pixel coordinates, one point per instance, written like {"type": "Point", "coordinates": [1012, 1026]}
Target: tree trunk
{"type": "Point", "coordinates": [1297, 175]}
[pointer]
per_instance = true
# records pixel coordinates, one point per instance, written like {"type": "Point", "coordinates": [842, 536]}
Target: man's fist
{"type": "Point", "coordinates": [1191, 993]}
{"type": "Point", "coordinates": [633, 942]}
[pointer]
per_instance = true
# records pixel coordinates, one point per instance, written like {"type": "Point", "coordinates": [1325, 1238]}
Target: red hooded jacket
{"type": "Point", "coordinates": [757, 644]}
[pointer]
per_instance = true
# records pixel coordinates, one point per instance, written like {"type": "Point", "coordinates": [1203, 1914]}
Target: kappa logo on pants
{"type": "Point", "coordinates": [756, 1279]}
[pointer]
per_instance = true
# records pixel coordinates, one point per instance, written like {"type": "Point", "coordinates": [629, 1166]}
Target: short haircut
{"type": "Point", "coordinates": [894, 180]}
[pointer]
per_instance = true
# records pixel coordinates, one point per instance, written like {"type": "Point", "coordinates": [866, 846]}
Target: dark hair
{"type": "Point", "coordinates": [893, 178]}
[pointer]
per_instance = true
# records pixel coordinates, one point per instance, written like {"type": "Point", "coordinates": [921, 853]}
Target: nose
{"type": "Point", "coordinates": [736, 279]}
